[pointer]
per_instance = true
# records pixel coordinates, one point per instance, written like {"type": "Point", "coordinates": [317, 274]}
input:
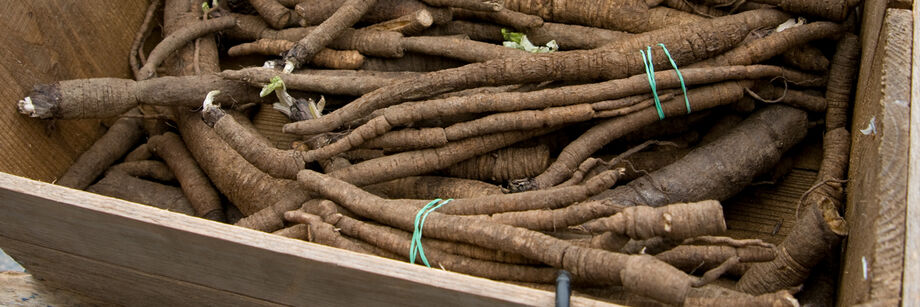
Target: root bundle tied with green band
{"type": "Point", "coordinates": [416, 247]}
{"type": "Point", "coordinates": [650, 72]}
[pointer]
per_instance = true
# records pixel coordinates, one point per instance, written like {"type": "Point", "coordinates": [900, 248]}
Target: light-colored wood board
{"type": "Point", "coordinates": [19, 289]}
{"type": "Point", "coordinates": [760, 210]}
{"type": "Point", "coordinates": [119, 285]}
{"type": "Point", "coordinates": [873, 13]}
{"type": "Point", "coordinates": [45, 41]}
{"type": "Point", "coordinates": [877, 186]}
{"type": "Point", "coordinates": [230, 258]}
{"type": "Point", "coordinates": [911, 283]}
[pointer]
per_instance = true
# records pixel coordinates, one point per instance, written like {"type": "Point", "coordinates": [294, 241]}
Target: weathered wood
{"type": "Point", "coordinates": [877, 187]}
{"type": "Point", "coordinates": [873, 14]}
{"type": "Point", "coordinates": [106, 281]}
{"type": "Point", "coordinates": [227, 258]}
{"type": "Point", "coordinates": [21, 289]}
{"type": "Point", "coordinates": [911, 289]}
{"type": "Point", "coordinates": [39, 46]}
{"type": "Point", "coordinates": [767, 212]}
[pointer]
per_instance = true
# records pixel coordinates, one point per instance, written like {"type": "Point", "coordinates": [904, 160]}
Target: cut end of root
{"type": "Point", "coordinates": [211, 112]}
{"type": "Point", "coordinates": [521, 185]}
{"type": "Point", "coordinates": [288, 67]}
{"type": "Point", "coordinates": [26, 107]}
{"type": "Point", "coordinates": [42, 102]}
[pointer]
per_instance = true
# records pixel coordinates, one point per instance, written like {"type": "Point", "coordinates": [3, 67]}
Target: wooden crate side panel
{"type": "Point", "coordinates": [228, 258]}
{"type": "Point", "coordinates": [876, 200]}
{"type": "Point", "coordinates": [873, 14]}
{"type": "Point", "coordinates": [911, 283]}
{"type": "Point", "coordinates": [45, 41]}
{"type": "Point", "coordinates": [119, 285]}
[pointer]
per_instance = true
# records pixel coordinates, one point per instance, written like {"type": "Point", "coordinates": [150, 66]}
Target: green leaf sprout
{"type": "Point", "coordinates": [519, 40]}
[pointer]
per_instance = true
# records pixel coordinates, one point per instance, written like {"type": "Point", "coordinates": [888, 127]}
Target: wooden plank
{"type": "Point", "coordinates": [911, 289]}
{"type": "Point", "coordinates": [20, 289]}
{"type": "Point", "coordinates": [767, 212]}
{"type": "Point", "coordinates": [232, 259]}
{"type": "Point", "coordinates": [105, 281]}
{"type": "Point", "coordinates": [877, 187]}
{"type": "Point", "coordinates": [45, 41]}
{"type": "Point", "coordinates": [873, 14]}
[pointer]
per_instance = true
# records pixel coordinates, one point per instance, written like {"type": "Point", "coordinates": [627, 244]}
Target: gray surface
{"type": "Point", "coordinates": [7, 263]}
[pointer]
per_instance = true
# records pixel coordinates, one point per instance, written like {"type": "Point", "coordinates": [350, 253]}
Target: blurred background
{"type": "Point", "coordinates": [8, 264]}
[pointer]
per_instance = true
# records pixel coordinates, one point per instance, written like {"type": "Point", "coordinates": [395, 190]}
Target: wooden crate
{"type": "Point", "coordinates": [130, 254]}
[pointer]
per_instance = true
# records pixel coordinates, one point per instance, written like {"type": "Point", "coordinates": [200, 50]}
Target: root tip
{"type": "Point", "coordinates": [26, 107]}
{"type": "Point", "coordinates": [211, 112]}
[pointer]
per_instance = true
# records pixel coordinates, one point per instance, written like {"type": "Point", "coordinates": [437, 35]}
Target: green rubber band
{"type": "Point", "coordinates": [683, 85]}
{"type": "Point", "coordinates": [650, 72]}
{"type": "Point", "coordinates": [415, 246]}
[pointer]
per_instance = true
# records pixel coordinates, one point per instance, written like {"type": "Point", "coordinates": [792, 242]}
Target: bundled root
{"type": "Point", "coordinates": [504, 164]}
{"type": "Point", "coordinates": [352, 83]}
{"type": "Point", "coordinates": [777, 127]}
{"type": "Point", "coordinates": [406, 113]}
{"type": "Point", "coordinates": [273, 161]}
{"type": "Point", "coordinates": [150, 169]}
{"type": "Point", "coordinates": [178, 39]}
{"type": "Point", "coordinates": [275, 14]}
{"type": "Point", "coordinates": [109, 97]}
{"type": "Point", "coordinates": [140, 153]}
{"type": "Point", "coordinates": [840, 81]}
{"type": "Point", "coordinates": [431, 187]}
{"type": "Point", "coordinates": [123, 134]}
{"type": "Point", "coordinates": [121, 185]}
{"type": "Point", "coordinates": [458, 48]}
{"type": "Point", "coordinates": [518, 21]}
{"type": "Point", "coordinates": [195, 184]}
{"type": "Point", "coordinates": [315, 12]}
{"type": "Point", "coordinates": [628, 15]}
{"type": "Point", "coordinates": [344, 17]}
{"type": "Point", "coordinates": [675, 221]}
{"type": "Point", "coordinates": [324, 233]}
{"type": "Point", "coordinates": [642, 274]}
{"type": "Point", "coordinates": [603, 63]}
{"type": "Point", "coordinates": [397, 241]}
{"type": "Point", "coordinates": [368, 42]}
{"type": "Point", "coordinates": [410, 24]}
{"type": "Point", "coordinates": [347, 59]}
{"type": "Point", "coordinates": [817, 230]}
{"type": "Point", "coordinates": [705, 257]}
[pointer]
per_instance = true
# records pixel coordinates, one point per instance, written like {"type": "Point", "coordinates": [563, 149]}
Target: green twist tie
{"type": "Point", "coordinates": [683, 85]}
{"type": "Point", "coordinates": [415, 247]}
{"type": "Point", "coordinates": [650, 72]}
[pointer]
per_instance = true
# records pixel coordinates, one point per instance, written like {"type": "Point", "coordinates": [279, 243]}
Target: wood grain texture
{"type": "Point", "coordinates": [877, 187]}
{"type": "Point", "coordinates": [760, 210]}
{"type": "Point", "coordinates": [40, 45]}
{"type": "Point", "coordinates": [911, 283]}
{"type": "Point", "coordinates": [102, 280]}
{"type": "Point", "coordinates": [20, 289]}
{"type": "Point", "coordinates": [268, 122]}
{"type": "Point", "coordinates": [226, 258]}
